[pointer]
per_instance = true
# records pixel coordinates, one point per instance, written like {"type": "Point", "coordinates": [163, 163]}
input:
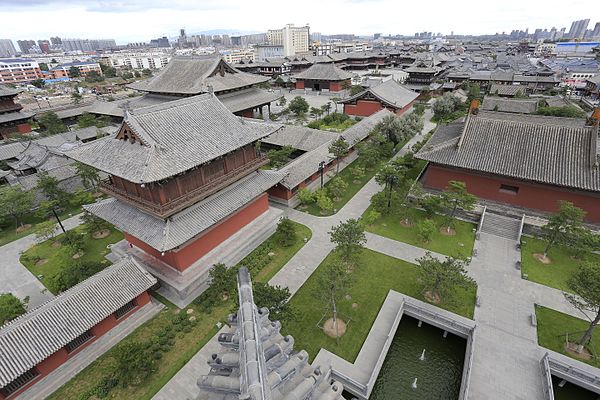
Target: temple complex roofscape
{"type": "Point", "coordinates": [259, 363]}
{"type": "Point", "coordinates": [184, 178]}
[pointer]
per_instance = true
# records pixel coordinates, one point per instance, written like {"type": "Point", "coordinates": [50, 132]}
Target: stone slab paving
{"type": "Point", "coordinates": [15, 278]}
{"type": "Point", "coordinates": [400, 250]}
{"type": "Point", "coordinates": [506, 358]}
{"type": "Point", "coordinates": [50, 383]}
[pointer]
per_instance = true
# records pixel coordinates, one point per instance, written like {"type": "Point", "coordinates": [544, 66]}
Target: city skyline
{"type": "Point", "coordinates": [71, 19]}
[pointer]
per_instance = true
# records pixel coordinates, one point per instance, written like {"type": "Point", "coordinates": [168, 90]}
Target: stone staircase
{"type": "Point", "coordinates": [500, 225]}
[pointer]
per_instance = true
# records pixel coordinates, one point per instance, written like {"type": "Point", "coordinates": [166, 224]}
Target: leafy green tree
{"type": "Point", "coordinates": [134, 362]}
{"type": "Point", "coordinates": [86, 120]}
{"type": "Point", "coordinates": [276, 299]}
{"type": "Point", "coordinates": [93, 224]}
{"type": "Point", "coordinates": [74, 72]}
{"type": "Point", "coordinates": [108, 71]}
{"type": "Point", "coordinates": [326, 107]}
{"type": "Point", "coordinates": [147, 72]}
{"type": "Point", "coordinates": [282, 101]}
{"type": "Point", "coordinates": [89, 176]}
{"type": "Point", "coordinates": [563, 227]}
{"type": "Point", "coordinates": [93, 77]}
{"type": "Point", "coordinates": [316, 112]}
{"type": "Point", "coordinates": [44, 209]}
{"type": "Point", "coordinates": [16, 203]}
{"type": "Point", "coordinates": [49, 186]}
{"type": "Point", "coordinates": [371, 217]}
{"type": "Point", "coordinates": [76, 96]}
{"type": "Point", "coordinates": [440, 279]}
{"type": "Point", "coordinates": [43, 66]}
{"type": "Point", "coordinates": [389, 177]}
{"type": "Point", "coordinates": [474, 92]}
{"type": "Point", "coordinates": [73, 241]}
{"type": "Point", "coordinates": [331, 288]}
{"type": "Point", "coordinates": [286, 232]}
{"type": "Point", "coordinates": [358, 172]}
{"type": "Point", "coordinates": [339, 149]}
{"type": "Point", "coordinates": [299, 106]}
{"type": "Point", "coordinates": [356, 89]}
{"type": "Point", "coordinates": [222, 280]}
{"type": "Point", "coordinates": [425, 230]}
{"type": "Point", "coordinates": [390, 128]}
{"type": "Point", "coordinates": [80, 198]}
{"type": "Point", "coordinates": [349, 239]}
{"type": "Point", "coordinates": [127, 75]}
{"type": "Point", "coordinates": [585, 285]}
{"type": "Point", "coordinates": [137, 74]}
{"type": "Point", "coordinates": [45, 230]}
{"type": "Point", "coordinates": [278, 158]}
{"type": "Point", "coordinates": [74, 272]}
{"type": "Point", "coordinates": [305, 196]}
{"type": "Point", "coordinates": [39, 83]}
{"type": "Point", "coordinates": [444, 106]}
{"type": "Point", "coordinates": [566, 111]}
{"type": "Point", "coordinates": [337, 187]}
{"type": "Point", "coordinates": [51, 123]}
{"type": "Point", "coordinates": [10, 308]}
{"type": "Point", "coordinates": [456, 196]}
{"type": "Point", "coordinates": [419, 109]}
{"type": "Point", "coordinates": [324, 203]}
{"type": "Point", "coordinates": [279, 81]}
{"type": "Point", "coordinates": [431, 204]}
{"type": "Point", "coordinates": [369, 154]}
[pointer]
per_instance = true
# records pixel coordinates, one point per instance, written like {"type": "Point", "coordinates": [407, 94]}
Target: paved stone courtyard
{"type": "Point", "coordinates": [506, 353]}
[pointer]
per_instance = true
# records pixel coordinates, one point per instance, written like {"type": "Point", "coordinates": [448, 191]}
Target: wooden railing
{"type": "Point", "coordinates": [179, 203]}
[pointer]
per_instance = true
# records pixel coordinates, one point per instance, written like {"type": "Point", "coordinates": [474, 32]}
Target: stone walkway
{"type": "Point", "coordinates": [17, 279]}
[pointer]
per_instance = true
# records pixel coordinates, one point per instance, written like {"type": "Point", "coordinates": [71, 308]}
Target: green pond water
{"type": "Point", "coordinates": [571, 392]}
{"type": "Point", "coordinates": [438, 375]}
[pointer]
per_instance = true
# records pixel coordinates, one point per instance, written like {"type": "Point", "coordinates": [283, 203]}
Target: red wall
{"type": "Point", "coordinates": [209, 239]}
{"type": "Point", "coordinates": [366, 108]}
{"type": "Point", "coordinates": [335, 86]}
{"type": "Point", "coordinates": [24, 128]}
{"type": "Point", "coordinates": [530, 195]}
{"type": "Point", "coordinates": [299, 84]}
{"type": "Point", "coordinates": [61, 356]}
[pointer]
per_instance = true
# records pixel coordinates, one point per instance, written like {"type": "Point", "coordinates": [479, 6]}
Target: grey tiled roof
{"type": "Point", "coordinates": [249, 98]}
{"type": "Point", "coordinates": [15, 116]}
{"type": "Point", "coordinates": [6, 91]}
{"type": "Point", "coordinates": [194, 75]}
{"type": "Point", "coordinates": [324, 72]}
{"type": "Point", "coordinates": [520, 106]}
{"type": "Point", "coordinates": [11, 150]}
{"type": "Point", "coordinates": [550, 150]}
{"type": "Point", "coordinates": [308, 163]}
{"type": "Point", "coordinates": [389, 92]}
{"type": "Point", "coordinates": [164, 235]}
{"type": "Point", "coordinates": [507, 90]}
{"type": "Point", "coordinates": [177, 136]}
{"type": "Point", "coordinates": [36, 335]}
{"type": "Point", "coordinates": [300, 137]}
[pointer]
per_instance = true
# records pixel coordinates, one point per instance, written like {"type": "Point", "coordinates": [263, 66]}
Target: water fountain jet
{"type": "Point", "coordinates": [422, 358]}
{"type": "Point", "coordinates": [414, 384]}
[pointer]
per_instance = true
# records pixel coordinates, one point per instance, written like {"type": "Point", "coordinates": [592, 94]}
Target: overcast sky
{"type": "Point", "coordinates": [141, 20]}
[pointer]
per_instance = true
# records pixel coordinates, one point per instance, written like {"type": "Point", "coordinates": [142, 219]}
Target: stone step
{"type": "Point", "coordinates": [502, 226]}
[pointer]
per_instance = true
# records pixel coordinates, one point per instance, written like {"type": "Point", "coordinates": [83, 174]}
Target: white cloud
{"type": "Point", "coordinates": [140, 20]}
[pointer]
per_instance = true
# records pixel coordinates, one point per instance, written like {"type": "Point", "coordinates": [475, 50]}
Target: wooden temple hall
{"type": "Point", "coordinates": [186, 189]}
{"type": "Point", "coordinates": [191, 76]}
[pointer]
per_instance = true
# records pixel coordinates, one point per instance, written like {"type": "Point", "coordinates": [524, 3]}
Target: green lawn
{"type": "Point", "coordinates": [57, 257]}
{"type": "Point", "coordinates": [554, 325]}
{"type": "Point", "coordinates": [374, 276]}
{"type": "Point", "coordinates": [187, 344]}
{"type": "Point", "coordinates": [9, 233]}
{"type": "Point", "coordinates": [554, 274]}
{"type": "Point", "coordinates": [460, 244]}
{"type": "Point", "coordinates": [353, 187]}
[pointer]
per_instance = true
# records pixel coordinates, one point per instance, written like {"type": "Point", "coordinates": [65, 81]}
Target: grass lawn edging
{"type": "Point", "coordinates": [375, 275]}
{"type": "Point", "coordinates": [555, 274]}
{"type": "Point", "coordinates": [187, 344]}
{"type": "Point", "coordinates": [552, 327]}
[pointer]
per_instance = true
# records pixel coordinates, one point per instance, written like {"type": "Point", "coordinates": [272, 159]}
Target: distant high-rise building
{"type": "Point", "coordinates": [293, 39]}
{"type": "Point", "coordinates": [7, 48]}
{"type": "Point", "coordinates": [316, 36]}
{"type": "Point", "coordinates": [596, 31]}
{"type": "Point", "coordinates": [25, 45]}
{"type": "Point", "coordinates": [44, 46]}
{"type": "Point", "coordinates": [84, 45]}
{"type": "Point", "coordinates": [578, 28]}
{"type": "Point", "coordinates": [376, 36]}
{"type": "Point", "coordinates": [160, 42]}
{"type": "Point", "coordinates": [56, 41]}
